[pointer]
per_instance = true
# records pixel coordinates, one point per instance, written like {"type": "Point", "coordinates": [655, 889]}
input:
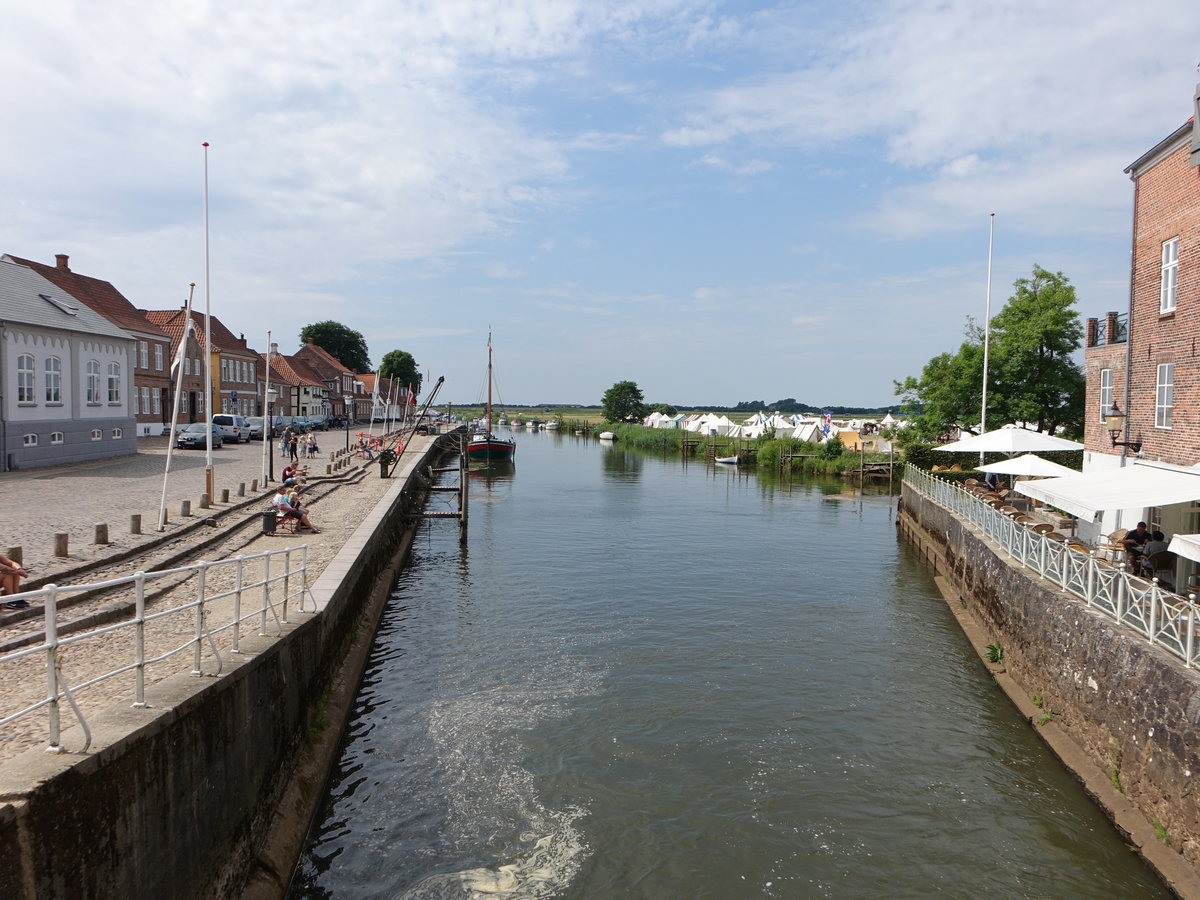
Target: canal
{"type": "Point", "coordinates": [657, 680]}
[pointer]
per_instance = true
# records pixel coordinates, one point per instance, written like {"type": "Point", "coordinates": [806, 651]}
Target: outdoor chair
{"type": "Point", "coordinates": [273, 523]}
{"type": "Point", "coordinates": [1162, 567]}
{"type": "Point", "coordinates": [1043, 528]}
{"type": "Point", "coordinates": [1010, 510]}
{"type": "Point", "coordinates": [1054, 536]}
{"type": "Point", "coordinates": [1024, 519]}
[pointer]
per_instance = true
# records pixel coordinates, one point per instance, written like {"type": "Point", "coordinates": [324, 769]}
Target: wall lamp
{"type": "Point", "coordinates": [1115, 423]}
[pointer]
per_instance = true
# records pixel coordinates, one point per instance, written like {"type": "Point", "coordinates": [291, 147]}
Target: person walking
{"type": "Point", "coordinates": [294, 447]}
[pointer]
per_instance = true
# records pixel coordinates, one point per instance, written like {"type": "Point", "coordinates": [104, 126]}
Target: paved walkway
{"type": "Point", "coordinates": [73, 498]}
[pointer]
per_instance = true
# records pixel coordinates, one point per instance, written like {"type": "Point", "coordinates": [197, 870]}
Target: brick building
{"type": "Point", "coordinates": [151, 359]}
{"type": "Point", "coordinates": [236, 367]}
{"type": "Point", "coordinates": [339, 382]}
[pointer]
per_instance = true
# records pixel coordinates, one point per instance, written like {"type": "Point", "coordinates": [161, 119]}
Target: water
{"type": "Point", "coordinates": [656, 680]}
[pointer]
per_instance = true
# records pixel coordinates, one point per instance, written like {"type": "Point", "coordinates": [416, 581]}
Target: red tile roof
{"type": "Point", "coordinates": [96, 294]}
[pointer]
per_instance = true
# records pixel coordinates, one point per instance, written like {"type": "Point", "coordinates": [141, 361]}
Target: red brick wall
{"type": "Point", "coordinates": [1167, 206]}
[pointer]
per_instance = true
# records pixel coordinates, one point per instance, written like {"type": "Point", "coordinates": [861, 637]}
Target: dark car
{"type": "Point", "coordinates": [193, 436]}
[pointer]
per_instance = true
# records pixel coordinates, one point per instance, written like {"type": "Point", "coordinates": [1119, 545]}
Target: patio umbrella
{"type": "Point", "coordinates": [1010, 440]}
{"type": "Point", "coordinates": [1029, 464]}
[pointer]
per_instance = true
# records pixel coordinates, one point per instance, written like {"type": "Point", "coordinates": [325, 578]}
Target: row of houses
{"type": "Point", "coordinates": [84, 372]}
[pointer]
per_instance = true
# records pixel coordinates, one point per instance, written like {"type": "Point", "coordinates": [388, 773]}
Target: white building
{"type": "Point", "coordinates": [66, 377]}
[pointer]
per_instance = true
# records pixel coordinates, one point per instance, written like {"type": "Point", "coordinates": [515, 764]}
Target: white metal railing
{"type": "Point", "coordinates": [1165, 618]}
{"type": "Point", "coordinates": [290, 583]}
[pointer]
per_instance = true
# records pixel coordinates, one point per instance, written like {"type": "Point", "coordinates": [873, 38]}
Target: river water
{"type": "Point", "coordinates": [656, 680]}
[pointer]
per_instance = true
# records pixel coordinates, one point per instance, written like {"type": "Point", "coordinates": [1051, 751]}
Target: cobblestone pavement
{"type": "Point", "coordinates": [23, 682]}
{"type": "Point", "coordinates": [73, 498]}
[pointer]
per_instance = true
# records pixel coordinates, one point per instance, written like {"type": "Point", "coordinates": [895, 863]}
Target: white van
{"type": "Point", "coordinates": [233, 428]}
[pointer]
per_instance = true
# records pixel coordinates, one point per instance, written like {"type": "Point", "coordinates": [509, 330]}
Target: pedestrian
{"type": "Point", "coordinates": [11, 574]}
{"type": "Point", "coordinates": [294, 448]}
{"type": "Point", "coordinates": [285, 440]}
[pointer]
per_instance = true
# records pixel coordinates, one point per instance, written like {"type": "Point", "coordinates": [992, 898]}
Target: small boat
{"type": "Point", "coordinates": [727, 460]}
{"type": "Point", "coordinates": [552, 425]}
{"type": "Point", "coordinates": [607, 436]}
{"type": "Point", "coordinates": [486, 447]}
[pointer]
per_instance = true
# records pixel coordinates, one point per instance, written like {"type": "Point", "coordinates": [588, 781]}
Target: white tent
{"type": "Point", "coordinates": [1010, 440]}
{"type": "Point", "coordinates": [1131, 487]}
{"type": "Point", "coordinates": [1029, 464]}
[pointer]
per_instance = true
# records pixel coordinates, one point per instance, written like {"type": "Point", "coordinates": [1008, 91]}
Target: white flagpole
{"type": "Point", "coordinates": [208, 396]}
{"type": "Point", "coordinates": [987, 330]}
{"type": "Point", "coordinates": [267, 418]}
{"type": "Point", "coordinates": [181, 353]}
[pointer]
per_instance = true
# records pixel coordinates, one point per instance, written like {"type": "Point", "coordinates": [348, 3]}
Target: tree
{"type": "Point", "coordinates": [622, 402]}
{"type": "Point", "coordinates": [400, 366]}
{"type": "Point", "coordinates": [1032, 376]}
{"type": "Point", "coordinates": [665, 408]}
{"type": "Point", "coordinates": [346, 345]}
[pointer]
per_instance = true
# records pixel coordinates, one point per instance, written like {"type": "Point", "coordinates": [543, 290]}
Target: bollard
{"type": "Point", "coordinates": [185, 508]}
{"type": "Point", "coordinates": [100, 533]}
{"type": "Point", "coordinates": [224, 495]}
{"type": "Point", "coordinates": [60, 543]}
{"type": "Point", "coordinates": [135, 524]}
{"type": "Point", "coordinates": [204, 501]}
{"type": "Point", "coordinates": [329, 470]}
{"type": "Point", "coordinates": [253, 487]}
{"type": "Point", "coordinates": [241, 489]}
{"type": "Point", "coordinates": [16, 554]}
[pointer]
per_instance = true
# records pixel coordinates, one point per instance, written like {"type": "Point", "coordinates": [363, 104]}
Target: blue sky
{"type": "Point", "coordinates": [719, 201]}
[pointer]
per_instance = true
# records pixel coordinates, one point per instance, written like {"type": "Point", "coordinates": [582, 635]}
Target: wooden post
{"type": "Point", "coordinates": [241, 489]}
{"type": "Point", "coordinates": [135, 523]}
{"type": "Point", "coordinates": [185, 508]}
{"type": "Point", "coordinates": [224, 495]}
{"type": "Point", "coordinates": [253, 487]}
{"type": "Point", "coordinates": [60, 543]}
{"type": "Point", "coordinates": [100, 533]}
{"type": "Point", "coordinates": [16, 554]}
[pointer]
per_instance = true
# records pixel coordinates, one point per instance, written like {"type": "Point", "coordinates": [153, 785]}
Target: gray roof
{"type": "Point", "coordinates": [28, 298]}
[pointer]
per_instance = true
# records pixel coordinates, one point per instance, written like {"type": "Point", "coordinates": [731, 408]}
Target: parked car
{"type": "Point", "coordinates": [233, 428]}
{"type": "Point", "coordinates": [296, 423]}
{"type": "Point", "coordinates": [319, 423]}
{"type": "Point", "coordinates": [194, 436]}
{"type": "Point", "coordinates": [256, 425]}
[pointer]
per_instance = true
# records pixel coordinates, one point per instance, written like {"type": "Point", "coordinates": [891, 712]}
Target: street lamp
{"type": "Point", "coordinates": [1115, 423]}
{"type": "Point", "coordinates": [346, 398]}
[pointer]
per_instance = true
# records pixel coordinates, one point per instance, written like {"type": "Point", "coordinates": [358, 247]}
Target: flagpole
{"type": "Point", "coordinates": [180, 355]}
{"type": "Point", "coordinates": [208, 396]}
{"type": "Point", "coordinates": [268, 419]}
{"type": "Point", "coordinates": [987, 331]}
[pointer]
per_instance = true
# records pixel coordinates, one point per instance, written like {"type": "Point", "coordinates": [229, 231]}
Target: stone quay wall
{"type": "Point", "coordinates": [181, 800]}
{"type": "Point", "coordinates": [1122, 714]}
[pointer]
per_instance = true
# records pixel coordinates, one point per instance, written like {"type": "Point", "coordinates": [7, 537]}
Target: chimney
{"type": "Point", "coordinates": [60, 260]}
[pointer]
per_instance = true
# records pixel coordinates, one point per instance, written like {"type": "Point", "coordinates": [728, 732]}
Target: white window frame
{"type": "Point", "coordinates": [118, 433]}
{"type": "Point", "coordinates": [144, 354]}
{"type": "Point", "coordinates": [53, 380]}
{"type": "Point", "coordinates": [29, 440]}
{"type": "Point", "coordinates": [56, 437]}
{"type": "Point", "coordinates": [97, 434]}
{"type": "Point", "coordinates": [25, 377]}
{"type": "Point", "coordinates": [156, 396]}
{"type": "Point", "coordinates": [1164, 395]}
{"type": "Point", "coordinates": [1106, 393]}
{"type": "Point", "coordinates": [158, 357]}
{"type": "Point", "coordinates": [93, 382]}
{"type": "Point", "coordinates": [1169, 277]}
{"type": "Point", "coordinates": [114, 382]}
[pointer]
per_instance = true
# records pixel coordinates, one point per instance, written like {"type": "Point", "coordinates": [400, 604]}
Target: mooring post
{"type": "Point", "coordinates": [185, 508]}
{"type": "Point", "coordinates": [100, 533]}
{"type": "Point", "coordinates": [16, 554]}
{"type": "Point", "coordinates": [224, 495]}
{"type": "Point", "coordinates": [135, 523]}
{"type": "Point", "coordinates": [204, 501]}
{"type": "Point", "coordinates": [60, 543]}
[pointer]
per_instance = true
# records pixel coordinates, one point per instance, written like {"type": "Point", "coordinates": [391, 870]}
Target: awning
{"type": "Point", "coordinates": [1186, 545]}
{"type": "Point", "coordinates": [1131, 487]}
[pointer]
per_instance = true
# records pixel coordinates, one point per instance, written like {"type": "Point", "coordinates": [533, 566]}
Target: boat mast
{"type": "Point", "coordinates": [489, 403]}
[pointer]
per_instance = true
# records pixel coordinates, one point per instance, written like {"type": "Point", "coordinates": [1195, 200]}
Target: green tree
{"type": "Point", "coordinates": [665, 408]}
{"type": "Point", "coordinates": [346, 345]}
{"type": "Point", "coordinates": [1032, 376]}
{"type": "Point", "coordinates": [400, 366]}
{"type": "Point", "coordinates": [623, 401]}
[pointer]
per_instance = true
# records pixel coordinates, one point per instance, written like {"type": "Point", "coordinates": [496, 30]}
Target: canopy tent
{"type": "Point", "coordinates": [1187, 545]}
{"type": "Point", "coordinates": [1131, 487]}
{"type": "Point", "coordinates": [1029, 464]}
{"type": "Point", "coordinates": [1010, 439]}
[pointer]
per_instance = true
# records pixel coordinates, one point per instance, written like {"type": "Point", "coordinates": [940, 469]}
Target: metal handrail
{"type": "Point", "coordinates": [1166, 619]}
{"type": "Point", "coordinates": [52, 647]}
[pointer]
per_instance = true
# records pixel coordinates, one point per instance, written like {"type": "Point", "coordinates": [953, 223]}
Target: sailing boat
{"type": "Point", "coordinates": [486, 447]}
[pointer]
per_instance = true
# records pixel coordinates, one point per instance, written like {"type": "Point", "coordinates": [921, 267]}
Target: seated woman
{"type": "Point", "coordinates": [11, 574]}
{"type": "Point", "coordinates": [287, 509]}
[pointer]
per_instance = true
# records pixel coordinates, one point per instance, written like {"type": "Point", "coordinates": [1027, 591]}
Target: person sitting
{"type": "Point", "coordinates": [11, 574]}
{"type": "Point", "coordinates": [284, 508]}
{"type": "Point", "coordinates": [1135, 543]}
{"type": "Point", "coordinates": [294, 474]}
{"type": "Point", "coordinates": [1156, 544]}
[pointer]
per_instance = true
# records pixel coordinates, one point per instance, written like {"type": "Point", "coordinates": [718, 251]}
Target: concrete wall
{"type": "Point", "coordinates": [175, 799]}
{"type": "Point", "coordinates": [1131, 709]}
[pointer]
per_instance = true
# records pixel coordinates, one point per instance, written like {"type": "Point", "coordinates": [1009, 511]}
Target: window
{"type": "Point", "coordinates": [1106, 395]}
{"type": "Point", "coordinates": [25, 378]}
{"type": "Point", "coordinates": [1164, 395]}
{"type": "Point", "coordinates": [144, 408]}
{"type": "Point", "coordinates": [157, 402]}
{"type": "Point", "coordinates": [158, 357]}
{"type": "Point", "coordinates": [117, 433]}
{"type": "Point", "coordinates": [56, 437]}
{"type": "Point", "coordinates": [97, 434]}
{"type": "Point", "coordinates": [53, 379]}
{"type": "Point", "coordinates": [1170, 276]}
{"type": "Point", "coordinates": [30, 440]}
{"type": "Point", "coordinates": [200, 402]}
{"type": "Point", "coordinates": [93, 381]}
{"type": "Point", "coordinates": [114, 382]}
{"type": "Point", "coordinates": [144, 354]}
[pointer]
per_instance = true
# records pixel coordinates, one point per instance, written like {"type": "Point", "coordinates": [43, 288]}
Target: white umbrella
{"type": "Point", "coordinates": [1010, 440]}
{"type": "Point", "coordinates": [1029, 464]}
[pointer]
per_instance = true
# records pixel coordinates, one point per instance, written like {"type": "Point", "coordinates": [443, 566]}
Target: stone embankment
{"type": "Point", "coordinates": [181, 798]}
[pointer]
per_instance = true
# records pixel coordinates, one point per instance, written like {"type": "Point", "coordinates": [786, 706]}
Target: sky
{"type": "Point", "coordinates": [721, 201]}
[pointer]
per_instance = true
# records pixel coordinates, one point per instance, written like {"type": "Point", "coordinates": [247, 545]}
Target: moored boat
{"type": "Point", "coordinates": [485, 446]}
